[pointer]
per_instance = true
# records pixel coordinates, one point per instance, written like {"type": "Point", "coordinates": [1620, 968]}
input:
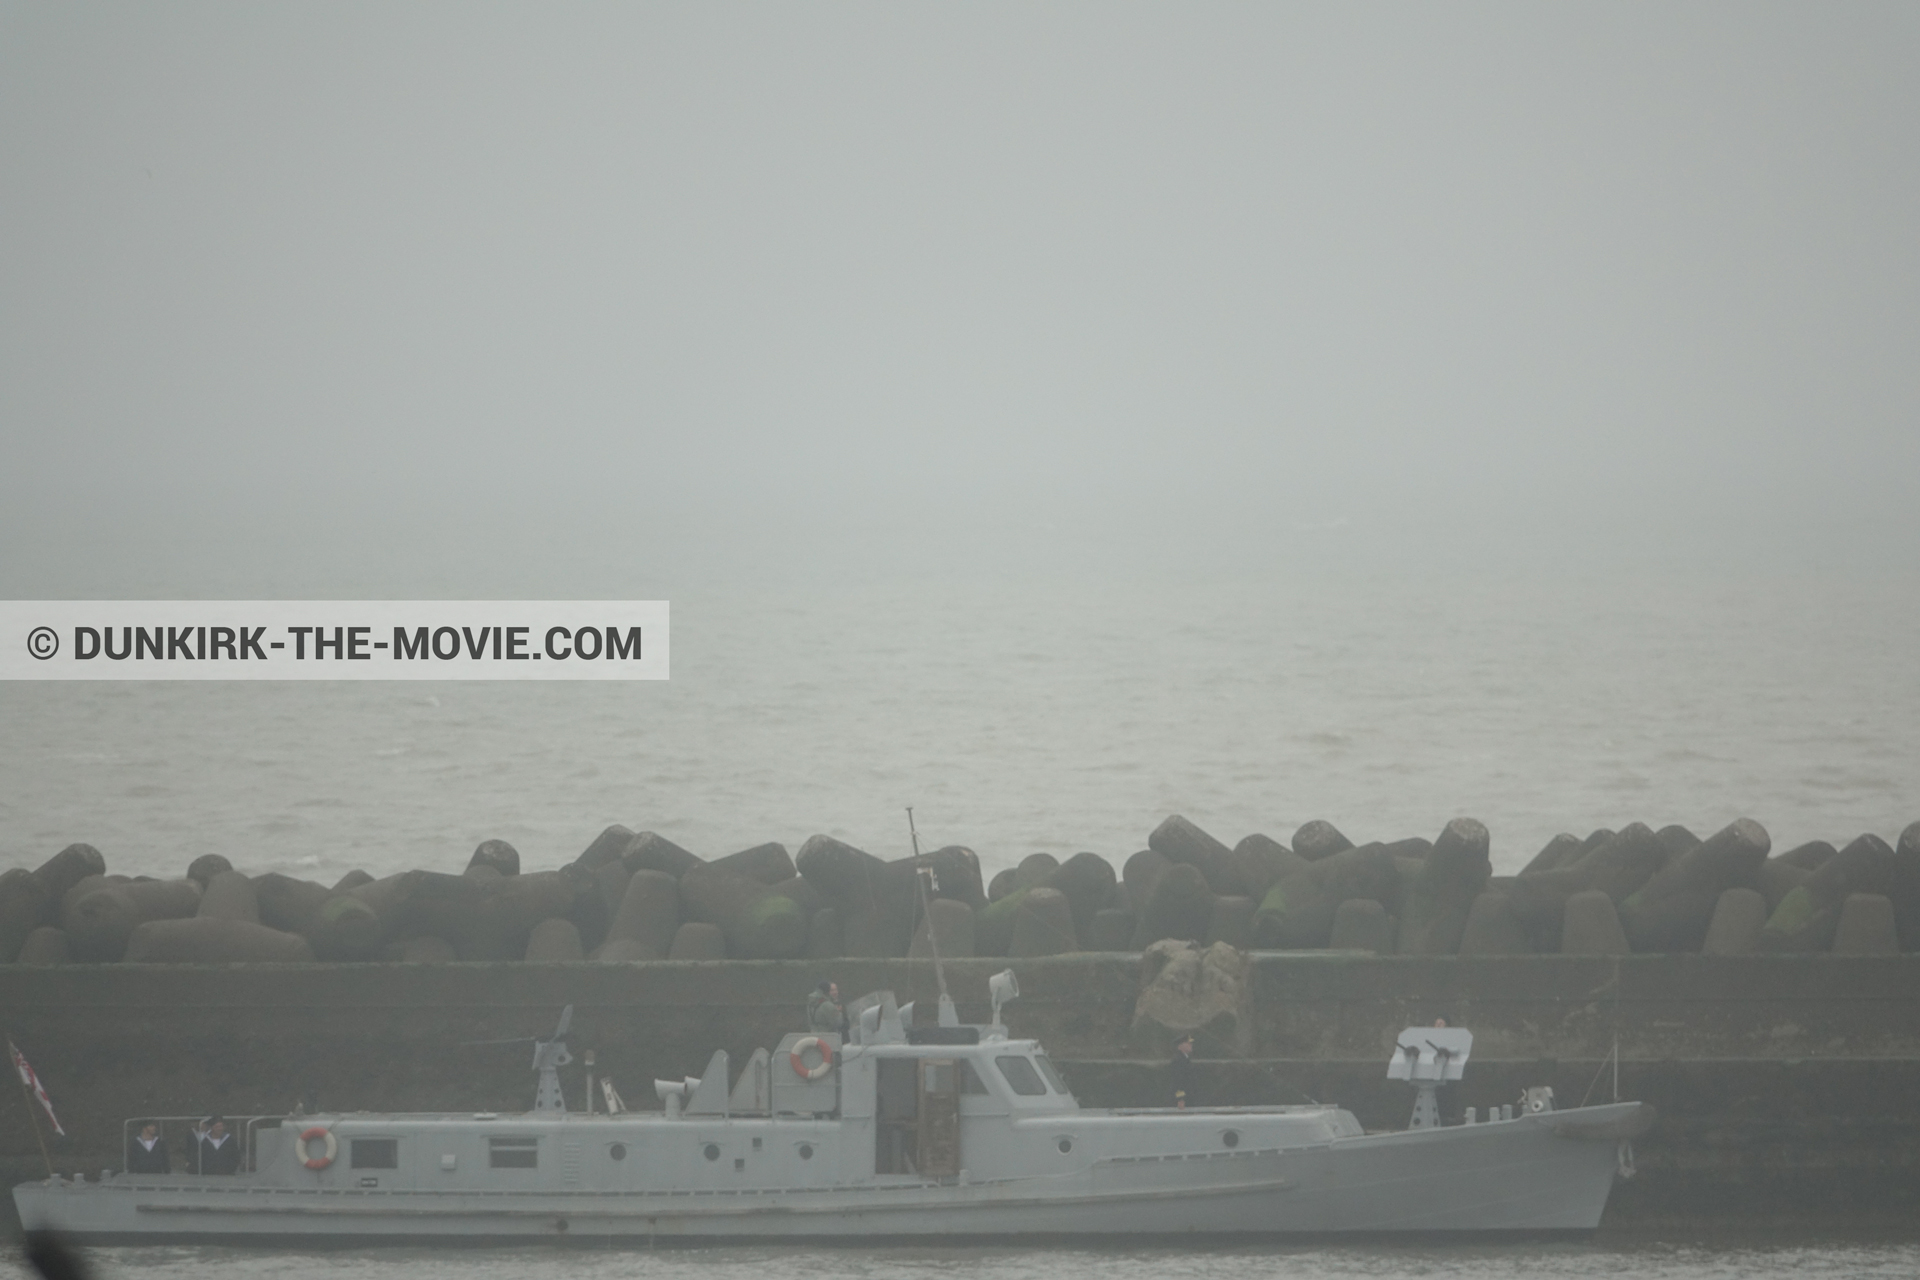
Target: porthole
{"type": "Point", "coordinates": [1065, 1145]}
{"type": "Point", "coordinates": [1231, 1138]}
{"type": "Point", "coordinates": [806, 1151]}
{"type": "Point", "coordinates": [712, 1152]}
{"type": "Point", "coordinates": [618, 1151]}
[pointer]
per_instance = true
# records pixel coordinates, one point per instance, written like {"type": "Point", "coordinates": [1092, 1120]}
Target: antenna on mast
{"type": "Point", "coordinates": [924, 876]}
{"type": "Point", "coordinates": [548, 1057]}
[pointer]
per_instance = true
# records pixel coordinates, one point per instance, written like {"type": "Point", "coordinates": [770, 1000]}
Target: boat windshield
{"type": "Point", "coordinates": [1053, 1075]}
{"type": "Point", "coordinates": [1021, 1076]}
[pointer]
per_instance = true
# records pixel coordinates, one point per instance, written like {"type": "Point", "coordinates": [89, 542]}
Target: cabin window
{"type": "Point", "coordinates": [1053, 1076]}
{"type": "Point", "coordinates": [513, 1153]}
{"type": "Point", "coordinates": [374, 1153]}
{"type": "Point", "coordinates": [970, 1081]}
{"type": "Point", "coordinates": [1021, 1076]}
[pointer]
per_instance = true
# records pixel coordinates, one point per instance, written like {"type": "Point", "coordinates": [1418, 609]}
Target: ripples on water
{"type": "Point", "coordinates": [1020, 718]}
{"type": "Point", "coordinates": [1159, 1262]}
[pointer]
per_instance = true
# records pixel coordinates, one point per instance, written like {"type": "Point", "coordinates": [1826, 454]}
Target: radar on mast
{"type": "Point", "coordinates": [1002, 987]}
{"type": "Point", "coordinates": [548, 1057]}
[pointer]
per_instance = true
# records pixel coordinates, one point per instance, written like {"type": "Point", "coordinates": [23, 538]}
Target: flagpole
{"type": "Point", "coordinates": [32, 1104]}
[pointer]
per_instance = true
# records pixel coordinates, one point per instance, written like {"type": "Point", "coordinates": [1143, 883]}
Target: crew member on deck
{"type": "Point", "coordinates": [147, 1153]}
{"type": "Point", "coordinates": [219, 1149]}
{"type": "Point", "coordinates": [825, 1013]}
{"type": "Point", "coordinates": [1182, 1073]}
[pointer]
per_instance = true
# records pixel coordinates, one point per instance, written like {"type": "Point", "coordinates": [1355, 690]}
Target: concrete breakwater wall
{"type": "Point", "coordinates": [1789, 1086]}
{"type": "Point", "coordinates": [639, 897]}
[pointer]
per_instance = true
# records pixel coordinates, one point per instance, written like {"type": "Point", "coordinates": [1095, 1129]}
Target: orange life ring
{"type": "Point", "coordinates": [800, 1067]}
{"type": "Point", "coordinates": [320, 1161]}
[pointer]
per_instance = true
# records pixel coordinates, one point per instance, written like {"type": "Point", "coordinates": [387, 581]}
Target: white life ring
{"type": "Point", "coordinates": [800, 1067]}
{"type": "Point", "coordinates": [319, 1161]}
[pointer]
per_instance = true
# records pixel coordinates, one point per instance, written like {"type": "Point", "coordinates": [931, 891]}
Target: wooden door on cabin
{"type": "Point", "coordinates": [896, 1115]}
{"type": "Point", "coordinates": [938, 1144]}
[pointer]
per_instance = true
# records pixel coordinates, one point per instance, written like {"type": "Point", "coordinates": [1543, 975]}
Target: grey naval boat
{"type": "Point", "coordinates": [902, 1131]}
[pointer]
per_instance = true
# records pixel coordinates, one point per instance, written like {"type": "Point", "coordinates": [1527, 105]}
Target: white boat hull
{"type": "Point", "coordinates": [1537, 1174]}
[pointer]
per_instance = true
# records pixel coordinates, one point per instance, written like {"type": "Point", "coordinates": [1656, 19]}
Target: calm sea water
{"type": "Point", "coordinates": [1649, 1261]}
{"type": "Point", "coordinates": [1020, 716]}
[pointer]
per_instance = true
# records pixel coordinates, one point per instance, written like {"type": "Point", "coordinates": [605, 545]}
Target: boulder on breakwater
{"type": "Point", "coordinates": [1734, 929]}
{"type": "Point", "coordinates": [214, 940]}
{"type": "Point", "coordinates": [1440, 895]}
{"type": "Point", "coordinates": [1298, 912]}
{"type": "Point", "coordinates": [1672, 910]}
{"type": "Point", "coordinates": [649, 913]}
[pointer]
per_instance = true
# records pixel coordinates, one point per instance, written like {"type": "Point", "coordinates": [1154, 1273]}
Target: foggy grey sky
{"type": "Point", "coordinates": [524, 273]}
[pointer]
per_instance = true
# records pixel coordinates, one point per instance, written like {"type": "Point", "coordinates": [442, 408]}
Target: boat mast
{"type": "Point", "coordinates": [923, 876]}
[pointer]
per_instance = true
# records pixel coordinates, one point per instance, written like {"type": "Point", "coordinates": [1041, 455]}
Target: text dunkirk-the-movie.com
{"type": "Point", "coordinates": [333, 640]}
